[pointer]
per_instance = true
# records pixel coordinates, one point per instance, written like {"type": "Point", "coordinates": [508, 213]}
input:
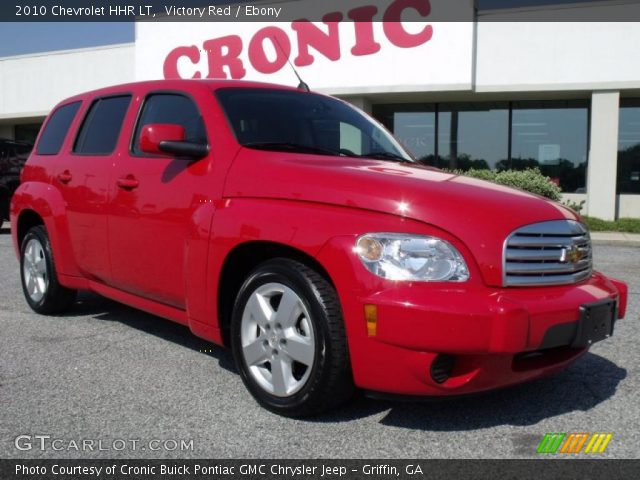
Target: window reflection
{"type": "Point", "coordinates": [629, 147]}
{"type": "Point", "coordinates": [473, 135]}
{"type": "Point", "coordinates": [413, 125]}
{"type": "Point", "coordinates": [552, 135]}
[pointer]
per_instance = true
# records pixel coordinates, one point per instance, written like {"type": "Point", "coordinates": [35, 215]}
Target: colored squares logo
{"type": "Point", "coordinates": [576, 442]}
{"type": "Point", "coordinates": [598, 443]}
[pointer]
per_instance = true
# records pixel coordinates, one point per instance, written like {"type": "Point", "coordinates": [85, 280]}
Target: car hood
{"type": "Point", "coordinates": [479, 213]}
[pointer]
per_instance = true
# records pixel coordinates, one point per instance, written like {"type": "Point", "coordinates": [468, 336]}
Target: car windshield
{"type": "Point", "coordinates": [305, 122]}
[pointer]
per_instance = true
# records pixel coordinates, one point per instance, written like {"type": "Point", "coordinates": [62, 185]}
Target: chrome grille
{"type": "Point", "coordinates": [547, 253]}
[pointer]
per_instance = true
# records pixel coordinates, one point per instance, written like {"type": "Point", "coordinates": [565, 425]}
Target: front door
{"type": "Point", "coordinates": [152, 206]}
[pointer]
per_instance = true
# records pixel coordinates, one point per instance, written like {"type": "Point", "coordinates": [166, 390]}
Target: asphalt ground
{"type": "Point", "coordinates": [135, 385]}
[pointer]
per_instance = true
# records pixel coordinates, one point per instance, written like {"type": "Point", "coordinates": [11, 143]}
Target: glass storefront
{"type": "Point", "coordinates": [414, 125]}
{"type": "Point", "coordinates": [629, 147]}
{"type": "Point", "coordinates": [473, 135]}
{"type": "Point", "coordinates": [550, 135]}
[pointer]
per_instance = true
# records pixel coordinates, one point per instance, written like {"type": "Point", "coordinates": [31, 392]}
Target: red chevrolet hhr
{"type": "Point", "coordinates": [295, 229]}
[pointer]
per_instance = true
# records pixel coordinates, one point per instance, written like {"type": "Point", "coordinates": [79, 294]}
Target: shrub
{"type": "Point", "coordinates": [530, 180]}
{"type": "Point", "coordinates": [575, 206]}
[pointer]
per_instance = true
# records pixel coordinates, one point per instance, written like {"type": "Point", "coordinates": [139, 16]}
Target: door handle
{"type": "Point", "coordinates": [128, 183]}
{"type": "Point", "coordinates": [65, 177]}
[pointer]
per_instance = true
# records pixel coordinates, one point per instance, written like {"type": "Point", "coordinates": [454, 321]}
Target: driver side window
{"type": "Point", "coordinates": [173, 109]}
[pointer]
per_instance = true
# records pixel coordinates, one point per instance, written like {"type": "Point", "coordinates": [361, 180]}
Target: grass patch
{"type": "Point", "coordinates": [627, 225]}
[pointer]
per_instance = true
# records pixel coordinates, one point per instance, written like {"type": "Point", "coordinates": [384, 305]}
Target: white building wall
{"type": "Point", "coordinates": [603, 155]}
{"type": "Point", "coordinates": [556, 56]}
{"type": "Point", "coordinates": [629, 206]}
{"type": "Point", "coordinates": [30, 85]}
{"type": "Point", "coordinates": [442, 63]}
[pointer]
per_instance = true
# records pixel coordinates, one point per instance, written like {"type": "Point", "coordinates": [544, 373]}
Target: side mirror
{"type": "Point", "coordinates": [165, 138]}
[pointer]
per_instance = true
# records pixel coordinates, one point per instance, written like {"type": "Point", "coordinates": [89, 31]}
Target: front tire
{"type": "Point", "coordinates": [40, 285]}
{"type": "Point", "coordinates": [288, 340]}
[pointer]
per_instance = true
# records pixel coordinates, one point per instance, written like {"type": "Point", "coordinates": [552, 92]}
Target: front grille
{"type": "Point", "coordinates": [547, 253]}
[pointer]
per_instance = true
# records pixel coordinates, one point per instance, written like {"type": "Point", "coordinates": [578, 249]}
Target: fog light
{"type": "Point", "coordinates": [441, 368]}
{"type": "Point", "coordinates": [371, 316]}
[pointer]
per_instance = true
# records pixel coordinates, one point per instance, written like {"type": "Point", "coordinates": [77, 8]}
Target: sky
{"type": "Point", "coordinates": [17, 38]}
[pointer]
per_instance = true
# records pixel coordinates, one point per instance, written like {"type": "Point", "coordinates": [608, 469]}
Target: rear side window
{"type": "Point", "coordinates": [56, 129]}
{"type": "Point", "coordinates": [175, 109]}
{"type": "Point", "coordinates": [101, 127]}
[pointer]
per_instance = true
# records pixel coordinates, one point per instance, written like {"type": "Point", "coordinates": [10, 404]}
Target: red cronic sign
{"type": "Point", "coordinates": [225, 52]}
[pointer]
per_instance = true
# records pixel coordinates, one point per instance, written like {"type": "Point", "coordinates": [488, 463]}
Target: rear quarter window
{"type": "Point", "coordinates": [56, 129]}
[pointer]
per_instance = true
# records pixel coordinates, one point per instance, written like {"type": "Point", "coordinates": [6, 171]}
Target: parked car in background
{"type": "Point", "coordinates": [293, 228]}
{"type": "Point", "coordinates": [13, 156]}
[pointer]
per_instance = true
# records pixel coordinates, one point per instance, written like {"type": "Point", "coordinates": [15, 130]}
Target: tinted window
{"type": "Point", "coordinates": [290, 120]}
{"type": "Point", "coordinates": [56, 129]}
{"type": "Point", "coordinates": [414, 125]}
{"type": "Point", "coordinates": [473, 135]}
{"type": "Point", "coordinates": [552, 135]}
{"type": "Point", "coordinates": [172, 109]}
{"type": "Point", "coordinates": [549, 135]}
{"type": "Point", "coordinates": [629, 147]}
{"type": "Point", "coordinates": [102, 125]}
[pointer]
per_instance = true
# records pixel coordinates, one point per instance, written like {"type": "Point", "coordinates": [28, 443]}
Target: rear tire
{"type": "Point", "coordinates": [288, 340]}
{"type": "Point", "coordinates": [40, 285]}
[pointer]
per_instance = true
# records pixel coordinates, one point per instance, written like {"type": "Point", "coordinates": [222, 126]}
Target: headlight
{"type": "Point", "coordinates": [418, 258]}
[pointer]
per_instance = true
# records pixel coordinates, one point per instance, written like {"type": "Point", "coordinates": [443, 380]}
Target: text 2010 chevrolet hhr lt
{"type": "Point", "coordinates": [293, 228]}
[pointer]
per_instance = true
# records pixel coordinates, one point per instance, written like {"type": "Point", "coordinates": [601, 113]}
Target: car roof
{"type": "Point", "coordinates": [186, 85]}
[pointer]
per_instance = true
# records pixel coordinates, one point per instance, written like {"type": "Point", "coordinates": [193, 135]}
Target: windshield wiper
{"type": "Point", "coordinates": [387, 156]}
{"type": "Point", "coordinates": [290, 146]}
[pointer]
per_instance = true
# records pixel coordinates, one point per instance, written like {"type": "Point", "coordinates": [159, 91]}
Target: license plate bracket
{"type": "Point", "coordinates": [596, 322]}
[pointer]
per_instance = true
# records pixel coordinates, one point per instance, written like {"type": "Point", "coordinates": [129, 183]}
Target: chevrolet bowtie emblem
{"type": "Point", "coordinates": [571, 254]}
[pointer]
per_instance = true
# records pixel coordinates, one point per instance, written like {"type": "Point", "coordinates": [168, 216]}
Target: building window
{"type": "Point", "coordinates": [550, 135]}
{"type": "Point", "coordinates": [414, 125]}
{"type": "Point", "coordinates": [473, 135]}
{"type": "Point", "coordinates": [629, 147]}
{"type": "Point", "coordinates": [553, 136]}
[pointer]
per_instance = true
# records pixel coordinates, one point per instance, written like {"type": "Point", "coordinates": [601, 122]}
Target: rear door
{"type": "Point", "coordinates": [83, 176]}
{"type": "Point", "coordinates": [153, 204]}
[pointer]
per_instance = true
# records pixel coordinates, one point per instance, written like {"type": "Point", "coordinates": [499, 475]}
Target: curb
{"type": "Point", "coordinates": [618, 239]}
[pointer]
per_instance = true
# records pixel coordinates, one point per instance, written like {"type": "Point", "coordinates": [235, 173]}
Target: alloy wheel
{"type": "Point", "coordinates": [277, 339]}
{"type": "Point", "coordinates": [34, 266]}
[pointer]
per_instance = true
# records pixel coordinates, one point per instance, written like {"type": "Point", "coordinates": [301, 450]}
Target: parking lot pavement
{"type": "Point", "coordinates": [108, 373]}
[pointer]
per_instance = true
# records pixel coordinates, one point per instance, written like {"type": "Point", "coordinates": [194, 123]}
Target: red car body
{"type": "Point", "coordinates": [163, 236]}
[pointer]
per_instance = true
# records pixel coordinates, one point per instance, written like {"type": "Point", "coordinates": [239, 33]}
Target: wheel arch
{"type": "Point", "coordinates": [241, 260]}
{"type": "Point", "coordinates": [27, 219]}
{"type": "Point", "coordinates": [36, 203]}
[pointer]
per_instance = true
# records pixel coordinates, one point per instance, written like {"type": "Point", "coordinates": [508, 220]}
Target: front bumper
{"type": "Point", "coordinates": [495, 336]}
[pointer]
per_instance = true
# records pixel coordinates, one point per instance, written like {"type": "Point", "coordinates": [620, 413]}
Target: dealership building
{"type": "Point", "coordinates": [479, 92]}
